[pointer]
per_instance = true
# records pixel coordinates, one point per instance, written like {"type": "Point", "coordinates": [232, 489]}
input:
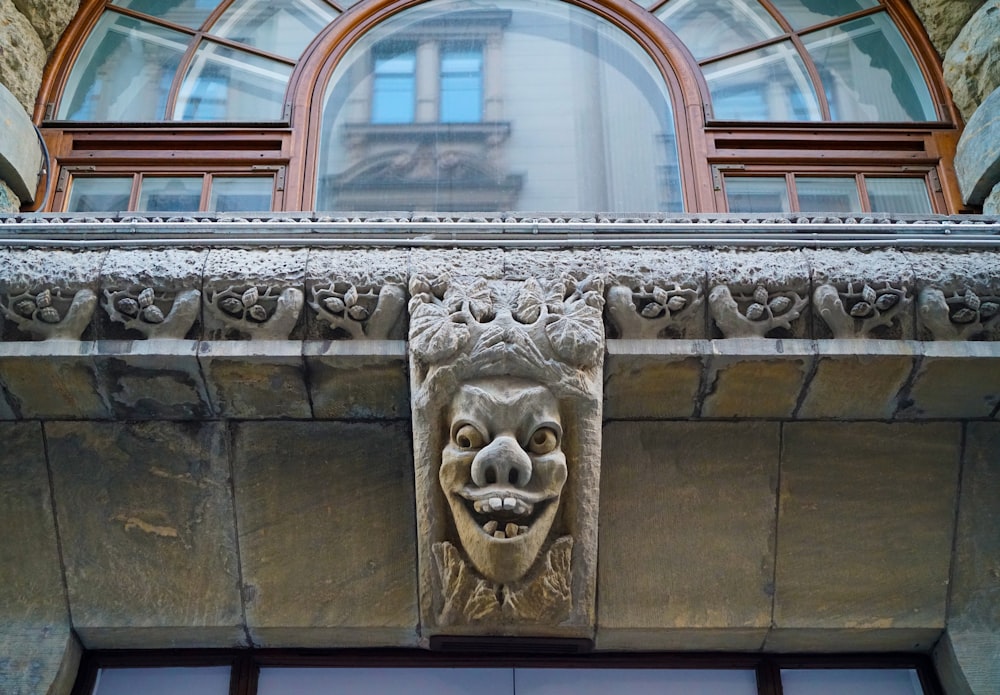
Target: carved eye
{"type": "Point", "coordinates": [543, 441]}
{"type": "Point", "coordinates": [468, 437]}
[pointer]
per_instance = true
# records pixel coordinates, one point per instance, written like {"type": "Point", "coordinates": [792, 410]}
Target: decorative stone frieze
{"type": "Point", "coordinates": [506, 391]}
{"type": "Point", "coordinates": [48, 294]}
{"type": "Point", "coordinates": [759, 295]}
{"type": "Point", "coordinates": [357, 294]}
{"type": "Point", "coordinates": [657, 297]}
{"type": "Point", "coordinates": [255, 295]}
{"type": "Point", "coordinates": [861, 295]}
{"type": "Point", "coordinates": [958, 296]}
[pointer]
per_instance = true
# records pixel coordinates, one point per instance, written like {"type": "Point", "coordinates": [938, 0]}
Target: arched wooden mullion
{"type": "Point", "coordinates": [677, 67]}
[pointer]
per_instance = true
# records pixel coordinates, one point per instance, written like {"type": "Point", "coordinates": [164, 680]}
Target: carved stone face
{"type": "Point", "coordinates": [502, 472]}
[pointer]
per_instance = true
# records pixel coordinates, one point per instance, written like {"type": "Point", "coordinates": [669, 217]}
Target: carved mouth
{"type": "Point", "coordinates": [503, 514]}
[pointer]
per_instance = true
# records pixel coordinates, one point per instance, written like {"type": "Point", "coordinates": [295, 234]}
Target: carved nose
{"type": "Point", "coordinates": [502, 461]}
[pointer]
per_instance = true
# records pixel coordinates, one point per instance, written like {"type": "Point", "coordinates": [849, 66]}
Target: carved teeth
{"type": "Point", "coordinates": [490, 527]}
{"type": "Point", "coordinates": [496, 504]}
{"type": "Point", "coordinates": [509, 503]}
{"type": "Point", "coordinates": [511, 529]}
{"type": "Point", "coordinates": [499, 534]}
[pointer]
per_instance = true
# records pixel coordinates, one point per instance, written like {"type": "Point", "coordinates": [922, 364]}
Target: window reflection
{"type": "Point", "coordinates": [512, 105]}
{"type": "Point", "coordinates": [170, 194]}
{"type": "Point", "coordinates": [769, 84]}
{"type": "Point", "coordinates": [99, 194]}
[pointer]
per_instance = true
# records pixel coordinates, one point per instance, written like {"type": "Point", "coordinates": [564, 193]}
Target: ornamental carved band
{"type": "Point", "coordinates": [507, 393]}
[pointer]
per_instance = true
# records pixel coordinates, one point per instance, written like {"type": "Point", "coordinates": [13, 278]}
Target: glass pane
{"type": "Point", "coordinates": [202, 680]}
{"type": "Point", "coordinates": [559, 681]}
{"type": "Point", "coordinates": [225, 84]}
{"type": "Point", "coordinates": [123, 72]}
{"type": "Point", "coordinates": [461, 83]}
{"type": "Point", "coordinates": [769, 84]}
{"type": "Point", "coordinates": [240, 194]}
{"type": "Point", "coordinates": [573, 115]}
{"type": "Point", "coordinates": [394, 82]}
{"type": "Point", "coordinates": [757, 194]}
{"type": "Point", "coordinates": [805, 13]}
{"type": "Point", "coordinates": [854, 681]}
{"type": "Point", "coordinates": [827, 194]}
{"type": "Point", "coordinates": [98, 194]}
{"type": "Point", "coordinates": [189, 13]}
{"type": "Point", "coordinates": [384, 681]}
{"type": "Point", "coordinates": [869, 73]}
{"type": "Point", "coordinates": [283, 27]}
{"type": "Point", "coordinates": [898, 195]}
{"type": "Point", "coordinates": [713, 27]}
{"type": "Point", "coordinates": [170, 194]}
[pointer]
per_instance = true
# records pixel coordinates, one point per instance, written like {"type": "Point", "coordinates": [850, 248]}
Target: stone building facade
{"type": "Point", "coordinates": [238, 432]}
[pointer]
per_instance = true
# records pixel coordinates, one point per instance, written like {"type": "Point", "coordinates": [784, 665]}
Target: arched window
{"type": "Point", "coordinates": [576, 107]}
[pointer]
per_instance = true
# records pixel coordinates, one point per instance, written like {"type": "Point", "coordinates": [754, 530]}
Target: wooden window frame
{"type": "Point", "coordinates": [245, 663]}
{"type": "Point", "coordinates": [704, 145]}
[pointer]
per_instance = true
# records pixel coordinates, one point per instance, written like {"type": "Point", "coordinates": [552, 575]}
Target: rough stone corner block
{"type": "Point", "coordinates": [20, 152]}
{"type": "Point", "coordinates": [506, 426]}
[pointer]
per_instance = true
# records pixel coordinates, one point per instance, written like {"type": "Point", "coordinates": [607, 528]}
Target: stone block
{"type": "Point", "coordinates": [255, 379]}
{"type": "Point", "coordinates": [356, 294]}
{"type": "Point", "coordinates": [751, 377]}
{"type": "Point", "coordinates": [38, 660]}
{"type": "Point", "coordinates": [971, 62]}
{"type": "Point", "coordinates": [521, 264]}
{"type": "Point", "coordinates": [653, 378]}
{"type": "Point", "coordinates": [943, 19]}
{"type": "Point", "coordinates": [974, 609]}
{"type": "Point", "coordinates": [6, 411]}
{"type": "Point", "coordinates": [487, 264]}
{"type": "Point", "coordinates": [20, 153]}
{"type": "Point", "coordinates": [764, 295]}
{"type": "Point", "coordinates": [31, 582]}
{"type": "Point", "coordinates": [687, 525]}
{"type": "Point", "coordinates": [865, 527]}
{"type": "Point", "coordinates": [858, 379]}
{"type": "Point", "coordinates": [52, 379]}
{"type": "Point", "coordinates": [48, 18]}
{"type": "Point", "coordinates": [977, 158]}
{"type": "Point", "coordinates": [146, 519]}
{"type": "Point", "coordinates": [23, 58]}
{"type": "Point", "coordinates": [955, 380]}
{"type": "Point", "coordinates": [327, 533]}
{"type": "Point", "coordinates": [153, 379]}
{"type": "Point", "coordinates": [358, 379]}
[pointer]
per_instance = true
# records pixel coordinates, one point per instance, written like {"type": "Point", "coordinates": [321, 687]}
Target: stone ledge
{"type": "Point", "coordinates": [21, 155]}
{"type": "Point", "coordinates": [809, 379]}
{"type": "Point", "coordinates": [977, 159]}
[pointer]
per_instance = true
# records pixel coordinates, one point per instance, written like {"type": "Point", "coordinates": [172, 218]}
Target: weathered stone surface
{"type": "Point", "coordinates": [48, 294]}
{"type": "Point", "coordinates": [255, 379]}
{"type": "Point", "coordinates": [974, 609]}
{"type": "Point", "coordinates": [958, 295]}
{"type": "Point", "coordinates": [327, 538]}
{"type": "Point", "coordinates": [657, 294]}
{"type": "Point", "coordinates": [166, 282]}
{"type": "Point", "coordinates": [972, 62]}
{"type": "Point", "coordinates": [152, 379]}
{"type": "Point", "coordinates": [52, 379]}
{"type": "Point", "coordinates": [482, 263]}
{"type": "Point", "coordinates": [991, 206]}
{"type": "Point", "coordinates": [358, 294]}
{"type": "Point", "coordinates": [20, 153]}
{"type": "Point", "coordinates": [955, 380]}
{"type": "Point", "coordinates": [35, 640]}
{"type": "Point", "coordinates": [943, 19]}
{"type": "Point", "coordinates": [23, 57]}
{"type": "Point", "coordinates": [653, 378]}
{"type": "Point", "coordinates": [858, 379]}
{"type": "Point", "coordinates": [6, 412]}
{"type": "Point", "coordinates": [48, 17]}
{"type": "Point", "coordinates": [9, 202]}
{"type": "Point", "coordinates": [358, 379]}
{"type": "Point", "coordinates": [749, 377]}
{"type": "Point", "coordinates": [977, 157]}
{"type": "Point", "coordinates": [254, 294]}
{"type": "Point", "coordinates": [861, 294]}
{"type": "Point", "coordinates": [864, 533]}
{"type": "Point", "coordinates": [687, 534]}
{"type": "Point", "coordinates": [519, 264]}
{"type": "Point", "coordinates": [146, 518]}
{"type": "Point", "coordinates": [759, 294]}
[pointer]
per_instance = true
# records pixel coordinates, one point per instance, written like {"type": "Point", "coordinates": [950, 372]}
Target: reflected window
{"type": "Point", "coordinates": [516, 106]}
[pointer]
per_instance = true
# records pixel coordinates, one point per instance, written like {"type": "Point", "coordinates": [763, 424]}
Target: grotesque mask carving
{"type": "Point", "coordinates": [502, 472]}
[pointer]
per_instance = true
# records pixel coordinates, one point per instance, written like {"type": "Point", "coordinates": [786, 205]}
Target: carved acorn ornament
{"type": "Point", "coordinates": [652, 310]}
{"type": "Point", "coordinates": [50, 313]}
{"type": "Point", "coordinates": [154, 313]}
{"type": "Point", "coordinates": [258, 312]}
{"type": "Point", "coordinates": [353, 312]}
{"type": "Point", "coordinates": [960, 315]}
{"type": "Point", "coordinates": [756, 313]}
{"type": "Point", "coordinates": [853, 312]}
